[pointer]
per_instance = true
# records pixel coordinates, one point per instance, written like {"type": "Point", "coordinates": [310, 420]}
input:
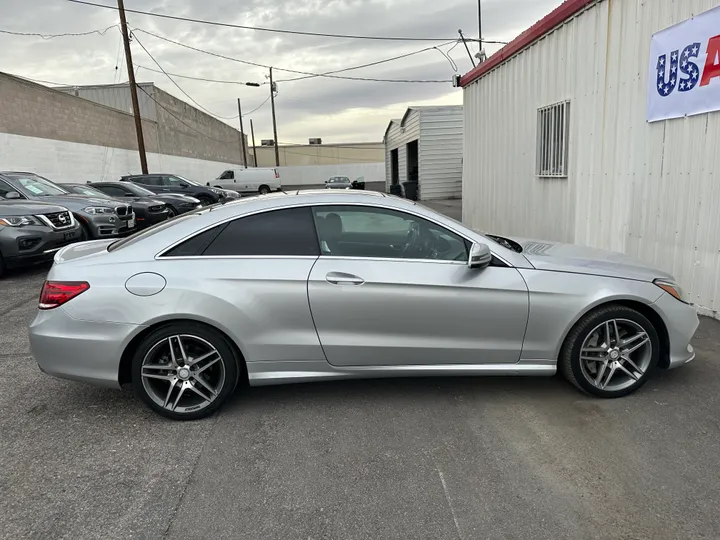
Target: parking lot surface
{"type": "Point", "coordinates": [435, 458]}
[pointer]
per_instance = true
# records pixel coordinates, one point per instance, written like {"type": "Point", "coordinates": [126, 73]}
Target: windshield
{"type": "Point", "coordinates": [191, 182]}
{"type": "Point", "coordinates": [137, 190]}
{"type": "Point", "coordinates": [90, 192]}
{"type": "Point", "coordinates": [339, 180]}
{"type": "Point", "coordinates": [33, 185]}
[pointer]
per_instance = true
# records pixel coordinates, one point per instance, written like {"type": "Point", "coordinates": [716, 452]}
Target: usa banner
{"type": "Point", "coordinates": [684, 72]}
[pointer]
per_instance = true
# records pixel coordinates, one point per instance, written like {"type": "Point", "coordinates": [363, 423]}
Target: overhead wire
{"type": "Point", "coordinates": [273, 30]}
{"type": "Point", "coordinates": [179, 87]}
{"type": "Point", "coordinates": [266, 66]}
{"type": "Point", "coordinates": [52, 36]}
{"type": "Point", "coordinates": [191, 77]}
{"type": "Point", "coordinates": [181, 120]}
{"type": "Point", "coordinates": [257, 108]}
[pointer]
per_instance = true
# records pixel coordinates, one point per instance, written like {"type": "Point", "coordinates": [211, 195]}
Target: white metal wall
{"type": "Point", "coordinates": [397, 138]}
{"type": "Point", "coordinates": [441, 152]}
{"type": "Point", "coordinates": [649, 190]}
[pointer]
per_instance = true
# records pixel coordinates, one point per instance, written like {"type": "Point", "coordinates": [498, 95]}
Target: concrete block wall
{"type": "Point", "coordinates": [33, 110]}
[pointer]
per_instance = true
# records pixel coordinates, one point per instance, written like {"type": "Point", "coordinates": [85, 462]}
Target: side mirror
{"type": "Point", "coordinates": [480, 256]}
{"type": "Point", "coordinates": [12, 195]}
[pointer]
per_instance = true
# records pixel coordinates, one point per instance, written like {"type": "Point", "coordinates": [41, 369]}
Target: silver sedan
{"type": "Point", "coordinates": [321, 285]}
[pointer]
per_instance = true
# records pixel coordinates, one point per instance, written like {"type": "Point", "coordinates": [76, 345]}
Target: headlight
{"type": "Point", "coordinates": [19, 221]}
{"type": "Point", "coordinates": [216, 191]}
{"type": "Point", "coordinates": [672, 288]}
{"type": "Point", "coordinates": [98, 210]}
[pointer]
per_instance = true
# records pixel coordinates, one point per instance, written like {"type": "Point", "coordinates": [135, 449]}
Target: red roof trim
{"type": "Point", "coordinates": [558, 16]}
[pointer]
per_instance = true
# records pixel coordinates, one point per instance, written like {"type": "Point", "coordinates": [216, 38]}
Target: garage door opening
{"type": "Point", "coordinates": [394, 167]}
{"type": "Point", "coordinates": [412, 161]}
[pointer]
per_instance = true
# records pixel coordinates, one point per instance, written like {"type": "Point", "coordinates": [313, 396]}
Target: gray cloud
{"type": "Point", "coordinates": [305, 108]}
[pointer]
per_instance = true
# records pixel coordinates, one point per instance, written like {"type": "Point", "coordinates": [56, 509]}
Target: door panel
{"type": "Point", "coordinates": [392, 312]}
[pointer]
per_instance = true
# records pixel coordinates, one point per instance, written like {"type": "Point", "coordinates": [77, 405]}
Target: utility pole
{"type": "Point", "coordinates": [272, 104]}
{"type": "Point", "coordinates": [242, 135]}
{"type": "Point", "coordinates": [133, 88]}
{"type": "Point", "coordinates": [480, 24]}
{"type": "Point", "coordinates": [252, 132]}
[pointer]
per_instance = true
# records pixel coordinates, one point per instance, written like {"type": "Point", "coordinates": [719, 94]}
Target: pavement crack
{"type": "Point", "coordinates": [447, 498]}
{"type": "Point", "coordinates": [190, 477]}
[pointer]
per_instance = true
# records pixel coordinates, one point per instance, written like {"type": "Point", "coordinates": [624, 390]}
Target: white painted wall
{"type": "Point", "coordinates": [649, 190]}
{"type": "Point", "coordinates": [62, 161]}
{"type": "Point", "coordinates": [397, 137]}
{"type": "Point", "coordinates": [304, 175]}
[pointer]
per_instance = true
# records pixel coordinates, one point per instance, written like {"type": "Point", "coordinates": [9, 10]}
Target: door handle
{"type": "Point", "coordinates": [341, 278]}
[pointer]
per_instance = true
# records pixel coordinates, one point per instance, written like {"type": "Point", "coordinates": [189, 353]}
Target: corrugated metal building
{"type": "Point", "coordinates": [426, 145]}
{"type": "Point", "coordinates": [557, 145]}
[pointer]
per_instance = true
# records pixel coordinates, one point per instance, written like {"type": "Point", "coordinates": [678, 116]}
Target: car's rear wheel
{"type": "Point", "coordinates": [184, 371]}
{"type": "Point", "coordinates": [611, 352]}
{"type": "Point", "coordinates": [264, 190]}
{"type": "Point", "coordinates": [2, 266]}
{"type": "Point", "coordinates": [84, 232]}
{"type": "Point", "coordinates": [171, 212]}
{"type": "Point", "coordinates": [204, 200]}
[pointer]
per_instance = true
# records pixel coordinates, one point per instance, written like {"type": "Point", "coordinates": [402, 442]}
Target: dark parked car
{"type": "Point", "coordinates": [99, 218]}
{"type": "Point", "coordinates": [343, 182]}
{"type": "Point", "coordinates": [148, 211]}
{"type": "Point", "coordinates": [177, 203]}
{"type": "Point", "coordinates": [172, 183]}
{"type": "Point", "coordinates": [31, 232]}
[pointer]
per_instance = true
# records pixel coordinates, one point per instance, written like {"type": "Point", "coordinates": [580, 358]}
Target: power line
{"type": "Point", "coordinates": [262, 29]}
{"type": "Point", "coordinates": [179, 87]}
{"type": "Point", "coordinates": [265, 66]}
{"type": "Point", "coordinates": [406, 55]}
{"type": "Point", "coordinates": [258, 107]}
{"type": "Point", "coordinates": [52, 36]}
{"type": "Point", "coordinates": [196, 78]}
{"type": "Point", "coordinates": [181, 120]}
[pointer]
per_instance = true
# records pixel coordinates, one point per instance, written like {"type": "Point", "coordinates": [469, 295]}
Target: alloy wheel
{"type": "Point", "coordinates": [183, 373]}
{"type": "Point", "coordinates": [616, 354]}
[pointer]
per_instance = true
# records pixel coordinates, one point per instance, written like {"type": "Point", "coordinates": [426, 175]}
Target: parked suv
{"type": "Point", "coordinates": [31, 232]}
{"type": "Point", "coordinates": [99, 218]}
{"type": "Point", "coordinates": [177, 203]}
{"type": "Point", "coordinates": [148, 210]}
{"type": "Point", "coordinates": [172, 183]}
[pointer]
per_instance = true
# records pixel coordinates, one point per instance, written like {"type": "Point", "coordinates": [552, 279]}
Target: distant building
{"type": "Point", "coordinates": [426, 146]}
{"type": "Point", "coordinates": [316, 153]}
{"type": "Point", "coordinates": [69, 138]}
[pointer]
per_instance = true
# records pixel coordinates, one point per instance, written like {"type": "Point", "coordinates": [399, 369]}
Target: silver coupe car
{"type": "Point", "coordinates": [319, 285]}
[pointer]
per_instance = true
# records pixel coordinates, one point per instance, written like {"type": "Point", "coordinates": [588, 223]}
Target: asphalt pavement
{"type": "Point", "coordinates": [436, 458]}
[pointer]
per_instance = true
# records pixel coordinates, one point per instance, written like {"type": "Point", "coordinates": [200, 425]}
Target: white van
{"type": "Point", "coordinates": [251, 180]}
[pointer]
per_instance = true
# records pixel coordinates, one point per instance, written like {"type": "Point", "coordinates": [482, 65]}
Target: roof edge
{"type": "Point", "coordinates": [544, 26]}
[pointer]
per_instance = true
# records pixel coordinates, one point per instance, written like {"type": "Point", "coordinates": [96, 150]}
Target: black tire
{"type": "Point", "coordinates": [171, 212]}
{"type": "Point", "coordinates": [84, 232]}
{"type": "Point", "coordinates": [2, 266]}
{"type": "Point", "coordinates": [204, 200]}
{"type": "Point", "coordinates": [263, 190]}
{"type": "Point", "coordinates": [572, 367]}
{"type": "Point", "coordinates": [154, 343]}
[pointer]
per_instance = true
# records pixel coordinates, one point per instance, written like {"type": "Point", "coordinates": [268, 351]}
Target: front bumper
{"type": "Point", "coordinates": [23, 246]}
{"type": "Point", "coordinates": [79, 350]}
{"type": "Point", "coordinates": [151, 218]}
{"type": "Point", "coordinates": [110, 225]}
{"type": "Point", "coordinates": [681, 321]}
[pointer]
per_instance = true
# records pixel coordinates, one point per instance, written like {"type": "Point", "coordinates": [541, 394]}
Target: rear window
{"type": "Point", "coordinates": [150, 231]}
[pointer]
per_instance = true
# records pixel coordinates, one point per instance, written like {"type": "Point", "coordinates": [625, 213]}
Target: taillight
{"type": "Point", "coordinates": [56, 293]}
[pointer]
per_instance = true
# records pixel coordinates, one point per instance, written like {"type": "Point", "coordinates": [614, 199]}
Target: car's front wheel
{"type": "Point", "coordinates": [610, 352]}
{"type": "Point", "coordinates": [185, 371]}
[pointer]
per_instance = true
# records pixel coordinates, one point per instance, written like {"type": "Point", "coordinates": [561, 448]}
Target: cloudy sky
{"type": "Point", "coordinates": [337, 110]}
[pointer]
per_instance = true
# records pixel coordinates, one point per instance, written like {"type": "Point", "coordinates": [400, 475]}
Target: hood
{"type": "Point", "coordinates": [25, 208]}
{"type": "Point", "coordinates": [81, 250]}
{"type": "Point", "coordinates": [78, 202]}
{"type": "Point", "coordinates": [559, 257]}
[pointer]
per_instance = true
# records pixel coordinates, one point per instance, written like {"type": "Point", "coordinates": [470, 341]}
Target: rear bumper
{"type": "Point", "coordinates": [83, 351]}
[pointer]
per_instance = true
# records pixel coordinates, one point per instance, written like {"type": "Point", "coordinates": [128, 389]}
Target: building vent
{"type": "Point", "coordinates": [267, 142]}
{"type": "Point", "coordinates": [315, 141]}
